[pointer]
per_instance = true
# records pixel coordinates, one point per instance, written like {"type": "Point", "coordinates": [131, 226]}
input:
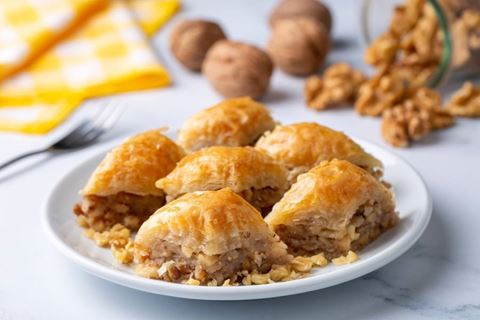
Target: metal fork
{"type": "Point", "coordinates": [87, 132]}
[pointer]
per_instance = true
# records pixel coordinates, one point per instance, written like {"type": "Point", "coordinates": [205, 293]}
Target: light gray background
{"type": "Point", "coordinates": [437, 279]}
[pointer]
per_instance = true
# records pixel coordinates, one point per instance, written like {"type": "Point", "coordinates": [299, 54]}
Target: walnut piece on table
{"type": "Point", "coordinates": [466, 101]}
{"type": "Point", "coordinates": [339, 85]}
{"type": "Point", "coordinates": [380, 93]}
{"type": "Point", "coordinates": [415, 118]}
{"type": "Point", "coordinates": [404, 123]}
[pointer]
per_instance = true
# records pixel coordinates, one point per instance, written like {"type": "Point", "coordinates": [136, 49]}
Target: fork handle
{"type": "Point", "coordinates": [22, 156]}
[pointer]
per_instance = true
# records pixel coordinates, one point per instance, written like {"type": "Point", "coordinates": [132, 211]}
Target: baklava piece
{"type": "Point", "coordinates": [252, 174]}
{"type": "Point", "coordinates": [122, 187]}
{"type": "Point", "coordinates": [332, 209]}
{"type": "Point", "coordinates": [233, 122]}
{"type": "Point", "coordinates": [210, 237]}
{"type": "Point", "coordinates": [302, 146]}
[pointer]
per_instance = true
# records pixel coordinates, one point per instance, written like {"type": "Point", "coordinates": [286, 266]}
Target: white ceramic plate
{"type": "Point", "coordinates": [413, 201]}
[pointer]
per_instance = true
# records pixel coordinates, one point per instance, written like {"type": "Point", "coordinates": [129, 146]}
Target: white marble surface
{"type": "Point", "coordinates": [439, 278]}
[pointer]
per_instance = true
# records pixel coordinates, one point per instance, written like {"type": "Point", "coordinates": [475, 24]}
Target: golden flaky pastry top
{"type": "Point", "coordinates": [214, 168]}
{"type": "Point", "coordinates": [212, 222]}
{"type": "Point", "coordinates": [233, 122]}
{"type": "Point", "coordinates": [135, 165]}
{"type": "Point", "coordinates": [332, 192]}
{"type": "Point", "coordinates": [300, 147]}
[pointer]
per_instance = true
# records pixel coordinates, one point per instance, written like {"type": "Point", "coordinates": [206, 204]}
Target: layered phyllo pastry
{"type": "Point", "coordinates": [207, 237]}
{"type": "Point", "coordinates": [302, 146]}
{"type": "Point", "coordinates": [332, 209]}
{"type": "Point", "coordinates": [122, 187]}
{"type": "Point", "coordinates": [233, 122]}
{"type": "Point", "coordinates": [252, 174]}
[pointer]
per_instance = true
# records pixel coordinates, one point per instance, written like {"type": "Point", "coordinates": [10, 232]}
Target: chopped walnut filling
{"type": "Point", "coordinates": [102, 212]}
{"type": "Point", "coordinates": [170, 262]}
{"type": "Point", "coordinates": [184, 271]}
{"type": "Point", "coordinates": [311, 236]}
{"type": "Point", "coordinates": [339, 85]}
{"type": "Point", "coordinates": [465, 102]}
{"type": "Point", "coordinates": [120, 241]}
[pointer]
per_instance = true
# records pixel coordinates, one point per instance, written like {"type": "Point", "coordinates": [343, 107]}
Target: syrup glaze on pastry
{"type": "Point", "coordinates": [207, 236]}
{"type": "Point", "coordinates": [333, 208]}
{"type": "Point", "coordinates": [233, 122]}
{"type": "Point", "coordinates": [122, 187]}
{"type": "Point", "coordinates": [254, 175]}
{"type": "Point", "coordinates": [302, 146]}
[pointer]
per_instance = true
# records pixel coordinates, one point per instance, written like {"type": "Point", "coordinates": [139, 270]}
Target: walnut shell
{"type": "Point", "coordinates": [237, 69]}
{"type": "Point", "coordinates": [191, 39]}
{"type": "Point", "coordinates": [314, 9]}
{"type": "Point", "coordinates": [298, 46]}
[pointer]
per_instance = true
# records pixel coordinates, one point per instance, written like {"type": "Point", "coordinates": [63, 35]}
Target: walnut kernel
{"type": "Point", "coordinates": [414, 118]}
{"type": "Point", "coordinates": [412, 46]}
{"type": "Point", "coordinates": [380, 93]}
{"type": "Point", "coordinates": [466, 101]}
{"type": "Point", "coordinates": [339, 85]}
{"type": "Point", "coordinates": [298, 45]}
{"type": "Point", "coordinates": [313, 9]}
{"type": "Point", "coordinates": [191, 39]}
{"type": "Point", "coordinates": [237, 69]}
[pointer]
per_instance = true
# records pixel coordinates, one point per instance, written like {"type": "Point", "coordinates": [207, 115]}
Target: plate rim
{"type": "Point", "coordinates": [344, 274]}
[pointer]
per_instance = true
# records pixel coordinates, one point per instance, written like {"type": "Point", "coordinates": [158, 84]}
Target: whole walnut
{"type": "Point", "coordinates": [314, 9]}
{"type": "Point", "coordinates": [298, 46]}
{"type": "Point", "coordinates": [237, 69]}
{"type": "Point", "coordinates": [191, 39]}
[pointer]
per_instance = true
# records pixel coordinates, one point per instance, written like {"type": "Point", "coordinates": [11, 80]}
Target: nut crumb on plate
{"type": "Point", "coordinates": [118, 236]}
{"type": "Point", "coordinates": [302, 264]}
{"type": "Point", "coordinates": [349, 258]}
{"type": "Point", "coordinates": [319, 260]}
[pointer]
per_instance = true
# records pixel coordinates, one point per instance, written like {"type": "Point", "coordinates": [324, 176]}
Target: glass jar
{"type": "Point", "coordinates": [458, 30]}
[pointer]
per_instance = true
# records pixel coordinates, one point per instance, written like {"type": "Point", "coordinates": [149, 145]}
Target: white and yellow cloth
{"type": "Point", "coordinates": [56, 53]}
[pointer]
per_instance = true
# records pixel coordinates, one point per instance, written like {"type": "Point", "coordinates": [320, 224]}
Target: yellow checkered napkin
{"type": "Point", "coordinates": [29, 27]}
{"type": "Point", "coordinates": [153, 14]}
{"type": "Point", "coordinates": [36, 118]}
{"type": "Point", "coordinates": [109, 53]}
